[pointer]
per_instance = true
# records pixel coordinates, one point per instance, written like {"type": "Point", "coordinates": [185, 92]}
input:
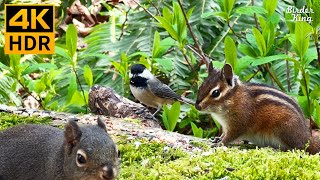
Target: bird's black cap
{"type": "Point", "coordinates": [137, 68]}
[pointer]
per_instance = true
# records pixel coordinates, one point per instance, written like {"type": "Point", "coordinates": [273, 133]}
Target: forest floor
{"type": "Point", "coordinates": [153, 153]}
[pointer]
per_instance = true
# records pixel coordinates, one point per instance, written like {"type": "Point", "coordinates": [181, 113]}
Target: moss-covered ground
{"type": "Point", "coordinates": [142, 159]}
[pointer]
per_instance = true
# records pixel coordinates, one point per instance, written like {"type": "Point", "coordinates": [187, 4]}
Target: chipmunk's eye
{"type": "Point", "coordinates": [215, 93]}
{"type": "Point", "coordinates": [81, 158]}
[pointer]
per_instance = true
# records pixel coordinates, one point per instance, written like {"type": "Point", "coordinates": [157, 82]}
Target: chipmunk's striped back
{"type": "Point", "coordinates": [255, 112]}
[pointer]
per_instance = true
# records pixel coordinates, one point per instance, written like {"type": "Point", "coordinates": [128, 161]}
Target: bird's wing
{"type": "Point", "coordinates": [162, 90]}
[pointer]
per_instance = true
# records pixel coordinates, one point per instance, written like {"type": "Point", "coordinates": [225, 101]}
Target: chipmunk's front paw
{"type": "Point", "coordinates": [216, 140]}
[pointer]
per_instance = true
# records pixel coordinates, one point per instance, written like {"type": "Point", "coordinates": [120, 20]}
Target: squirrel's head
{"type": "Point", "coordinates": [89, 152]}
{"type": "Point", "coordinates": [216, 89]}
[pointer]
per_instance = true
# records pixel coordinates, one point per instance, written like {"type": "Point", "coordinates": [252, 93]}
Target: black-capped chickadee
{"type": "Point", "coordinates": [151, 91]}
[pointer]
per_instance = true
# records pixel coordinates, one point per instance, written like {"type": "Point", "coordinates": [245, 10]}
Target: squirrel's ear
{"type": "Point", "coordinates": [72, 135]}
{"type": "Point", "coordinates": [228, 74]}
{"type": "Point", "coordinates": [102, 124]}
{"type": "Point", "coordinates": [210, 68]}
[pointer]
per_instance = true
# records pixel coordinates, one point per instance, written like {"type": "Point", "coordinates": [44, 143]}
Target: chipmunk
{"type": "Point", "coordinates": [255, 112]}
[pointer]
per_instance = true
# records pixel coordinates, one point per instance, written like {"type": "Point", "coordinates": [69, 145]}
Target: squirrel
{"type": "Point", "coordinates": [43, 152]}
{"type": "Point", "coordinates": [254, 112]}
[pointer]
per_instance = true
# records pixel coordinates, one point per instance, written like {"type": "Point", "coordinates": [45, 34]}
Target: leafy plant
{"type": "Point", "coordinates": [170, 116]}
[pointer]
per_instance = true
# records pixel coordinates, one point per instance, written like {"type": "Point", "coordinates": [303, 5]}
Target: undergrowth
{"type": "Point", "coordinates": [144, 159]}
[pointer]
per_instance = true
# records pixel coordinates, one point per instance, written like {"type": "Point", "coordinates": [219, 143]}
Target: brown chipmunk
{"type": "Point", "coordinates": [258, 113]}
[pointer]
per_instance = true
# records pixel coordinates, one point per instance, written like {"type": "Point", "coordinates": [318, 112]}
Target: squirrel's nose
{"type": "Point", "coordinates": [107, 173]}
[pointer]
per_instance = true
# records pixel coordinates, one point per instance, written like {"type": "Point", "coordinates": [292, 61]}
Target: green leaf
{"type": "Point", "coordinates": [87, 73]}
{"type": "Point", "coordinates": [303, 102]}
{"type": "Point", "coordinates": [77, 99]}
{"type": "Point", "coordinates": [228, 6]}
{"type": "Point", "coordinates": [63, 53]}
{"type": "Point", "coordinates": [300, 40]}
{"type": "Point", "coordinates": [173, 116]}
{"type": "Point", "coordinates": [260, 41]}
{"type": "Point", "coordinates": [71, 39]}
{"type": "Point", "coordinates": [270, 6]}
{"type": "Point", "coordinates": [39, 67]}
{"type": "Point", "coordinates": [250, 10]}
{"type": "Point", "coordinates": [230, 51]}
{"type": "Point", "coordinates": [247, 50]}
{"type": "Point", "coordinates": [268, 34]}
{"type": "Point", "coordinates": [72, 88]}
{"type": "Point", "coordinates": [168, 27]}
{"type": "Point", "coordinates": [197, 132]}
{"type": "Point", "coordinates": [316, 114]}
{"type": "Point", "coordinates": [315, 16]}
{"type": "Point", "coordinates": [223, 15]}
{"type": "Point", "coordinates": [267, 59]}
{"type": "Point", "coordinates": [156, 44]}
{"type": "Point", "coordinates": [165, 117]}
{"type": "Point", "coordinates": [165, 63]}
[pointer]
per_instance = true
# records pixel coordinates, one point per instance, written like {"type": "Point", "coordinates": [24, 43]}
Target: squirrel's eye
{"type": "Point", "coordinates": [81, 159]}
{"type": "Point", "coordinates": [215, 93]}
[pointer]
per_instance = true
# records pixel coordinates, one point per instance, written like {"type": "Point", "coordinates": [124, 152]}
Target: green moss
{"type": "Point", "coordinates": [151, 160]}
{"type": "Point", "coordinates": [144, 159]}
{"type": "Point", "coordinates": [7, 120]}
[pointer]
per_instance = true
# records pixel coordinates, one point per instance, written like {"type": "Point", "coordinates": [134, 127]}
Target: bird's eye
{"type": "Point", "coordinates": [215, 93]}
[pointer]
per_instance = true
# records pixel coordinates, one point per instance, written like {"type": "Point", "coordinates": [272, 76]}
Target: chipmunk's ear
{"type": "Point", "coordinates": [72, 135]}
{"type": "Point", "coordinates": [101, 124]}
{"type": "Point", "coordinates": [211, 69]}
{"type": "Point", "coordinates": [227, 73]}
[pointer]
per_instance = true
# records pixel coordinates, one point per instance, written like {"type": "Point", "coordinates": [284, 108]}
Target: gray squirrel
{"type": "Point", "coordinates": [44, 152]}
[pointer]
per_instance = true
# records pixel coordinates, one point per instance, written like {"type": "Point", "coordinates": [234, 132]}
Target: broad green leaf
{"type": "Point", "coordinates": [165, 63]}
{"type": "Point", "coordinates": [165, 117]}
{"type": "Point", "coordinates": [223, 15]}
{"type": "Point", "coordinates": [197, 132]}
{"type": "Point", "coordinates": [251, 10]}
{"type": "Point", "coordinates": [228, 6]}
{"type": "Point", "coordinates": [316, 113]}
{"type": "Point", "coordinates": [71, 39]}
{"type": "Point", "coordinates": [247, 50]}
{"type": "Point", "coordinates": [14, 60]}
{"type": "Point", "coordinates": [156, 44]}
{"type": "Point", "coordinates": [173, 116]}
{"type": "Point", "coordinates": [87, 73]}
{"type": "Point", "coordinates": [268, 34]}
{"type": "Point", "coordinates": [289, 22]}
{"type": "Point", "coordinates": [315, 93]}
{"type": "Point", "coordinates": [303, 103]}
{"type": "Point", "coordinates": [167, 15]}
{"type": "Point", "coordinates": [62, 52]}
{"type": "Point", "coordinates": [168, 27]}
{"type": "Point", "coordinates": [267, 59]}
{"type": "Point", "coordinates": [300, 40]}
{"type": "Point", "coordinates": [184, 123]}
{"type": "Point", "coordinates": [230, 51]}
{"type": "Point", "coordinates": [270, 6]}
{"type": "Point", "coordinates": [40, 66]}
{"type": "Point", "coordinates": [261, 44]}
{"type": "Point", "coordinates": [316, 13]}
{"type": "Point", "coordinates": [39, 86]}
{"type": "Point", "coordinates": [72, 88]}
{"type": "Point", "coordinates": [77, 99]}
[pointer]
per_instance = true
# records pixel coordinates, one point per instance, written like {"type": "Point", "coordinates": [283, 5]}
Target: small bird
{"type": "Point", "coordinates": [151, 91]}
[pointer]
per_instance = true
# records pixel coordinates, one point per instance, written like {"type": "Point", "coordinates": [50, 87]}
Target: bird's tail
{"type": "Point", "coordinates": [186, 100]}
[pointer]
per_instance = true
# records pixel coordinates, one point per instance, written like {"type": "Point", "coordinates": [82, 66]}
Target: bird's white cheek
{"type": "Point", "coordinates": [130, 75]}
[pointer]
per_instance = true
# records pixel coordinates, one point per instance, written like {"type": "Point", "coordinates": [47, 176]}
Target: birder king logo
{"type": "Point", "coordinates": [298, 13]}
{"type": "Point", "coordinates": [29, 29]}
